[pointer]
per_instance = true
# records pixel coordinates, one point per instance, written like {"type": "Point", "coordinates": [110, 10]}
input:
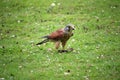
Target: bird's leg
{"type": "Point", "coordinates": [57, 44]}
{"type": "Point", "coordinates": [63, 45]}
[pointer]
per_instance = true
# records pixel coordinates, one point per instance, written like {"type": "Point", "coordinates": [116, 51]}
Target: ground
{"type": "Point", "coordinates": [95, 43]}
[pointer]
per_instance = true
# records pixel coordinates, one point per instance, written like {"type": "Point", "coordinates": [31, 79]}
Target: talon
{"type": "Point", "coordinates": [61, 51]}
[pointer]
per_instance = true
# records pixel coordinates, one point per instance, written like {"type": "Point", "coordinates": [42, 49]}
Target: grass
{"type": "Point", "coordinates": [96, 40]}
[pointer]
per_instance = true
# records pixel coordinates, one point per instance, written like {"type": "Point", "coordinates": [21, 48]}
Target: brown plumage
{"type": "Point", "coordinates": [59, 36]}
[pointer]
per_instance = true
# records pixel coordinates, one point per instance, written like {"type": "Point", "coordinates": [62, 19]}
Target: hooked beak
{"type": "Point", "coordinates": [73, 28]}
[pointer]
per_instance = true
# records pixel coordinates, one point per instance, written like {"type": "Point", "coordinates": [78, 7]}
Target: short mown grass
{"type": "Point", "coordinates": [96, 40]}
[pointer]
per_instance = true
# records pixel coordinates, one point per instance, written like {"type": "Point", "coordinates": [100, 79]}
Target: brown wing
{"type": "Point", "coordinates": [57, 35]}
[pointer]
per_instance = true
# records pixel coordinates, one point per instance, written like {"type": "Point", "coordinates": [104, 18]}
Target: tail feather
{"type": "Point", "coordinates": [44, 41]}
{"type": "Point", "coordinates": [45, 37]}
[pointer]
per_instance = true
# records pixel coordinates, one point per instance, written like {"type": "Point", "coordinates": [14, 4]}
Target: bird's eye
{"type": "Point", "coordinates": [67, 28]}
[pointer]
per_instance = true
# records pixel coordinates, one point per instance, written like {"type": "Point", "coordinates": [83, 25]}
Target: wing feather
{"type": "Point", "coordinates": [57, 34]}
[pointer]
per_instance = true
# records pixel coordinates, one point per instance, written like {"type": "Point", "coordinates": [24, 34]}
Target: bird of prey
{"type": "Point", "coordinates": [59, 36]}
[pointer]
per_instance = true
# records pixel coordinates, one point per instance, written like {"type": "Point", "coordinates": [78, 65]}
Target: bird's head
{"type": "Point", "coordinates": [69, 28]}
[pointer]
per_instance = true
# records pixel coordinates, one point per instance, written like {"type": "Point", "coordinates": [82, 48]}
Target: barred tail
{"type": "Point", "coordinates": [44, 41]}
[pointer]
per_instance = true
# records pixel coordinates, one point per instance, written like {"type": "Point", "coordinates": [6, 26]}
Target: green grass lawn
{"type": "Point", "coordinates": [96, 40]}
